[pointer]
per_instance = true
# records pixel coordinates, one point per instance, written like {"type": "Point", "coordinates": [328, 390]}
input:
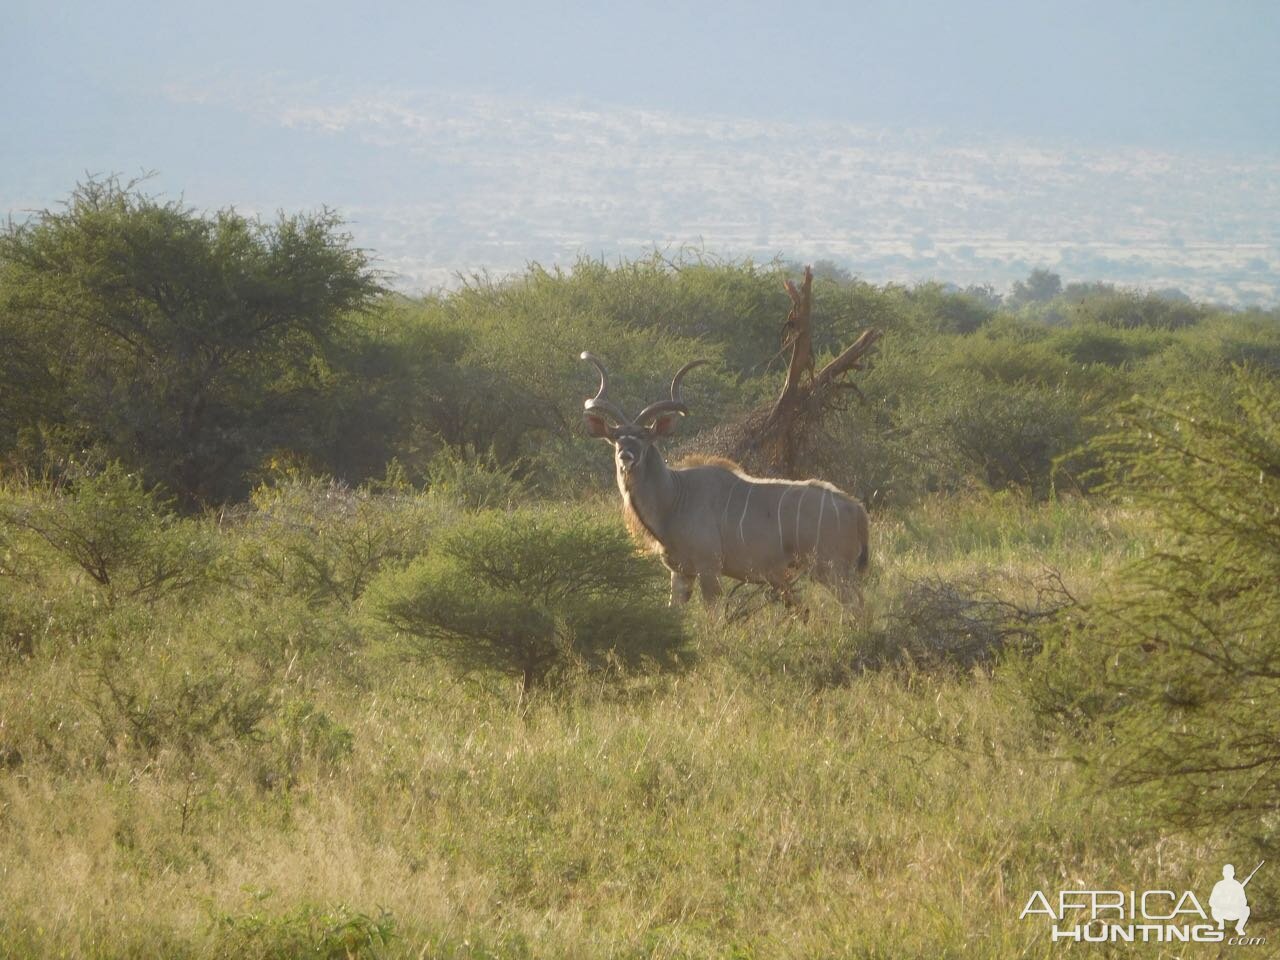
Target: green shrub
{"type": "Point", "coordinates": [1250, 339]}
{"type": "Point", "coordinates": [277, 632]}
{"type": "Point", "coordinates": [305, 732]}
{"type": "Point", "coordinates": [533, 593]}
{"type": "Point", "coordinates": [1002, 435]}
{"type": "Point", "coordinates": [121, 535]}
{"type": "Point", "coordinates": [1092, 342]}
{"type": "Point", "coordinates": [1179, 660]}
{"type": "Point", "coordinates": [323, 542]}
{"type": "Point", "coordinates": [152, 690]}
{"type": "Point", "coordinates": [1129, 309]}
{"type": "Point", "coordinates": [310, 932]}
{"type": "Point", "coordinates": [1001, 359]}
{"type": "Point", "coordinates": [954, 311]}
{"type": "Point", "coordinates": [476, 482]}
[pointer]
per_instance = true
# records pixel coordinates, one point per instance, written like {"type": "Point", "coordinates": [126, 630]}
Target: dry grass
{"type": "Point", "coordinates": [744, 808]}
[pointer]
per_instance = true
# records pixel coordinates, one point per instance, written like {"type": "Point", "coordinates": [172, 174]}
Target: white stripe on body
{"type": "Point", "coordinates": [822, 508]}
{"type": "Point", "coordinates": [799, 510]}
{"type": "Point", "coordinates": [782, 544]}
{"type": "Point", "coordinates": [724, 517]}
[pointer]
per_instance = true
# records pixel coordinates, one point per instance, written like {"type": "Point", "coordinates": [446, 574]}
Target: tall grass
{"type": "Point", "coordinates": [773, 800]}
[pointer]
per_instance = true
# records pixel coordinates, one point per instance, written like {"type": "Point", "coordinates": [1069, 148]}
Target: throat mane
{"type": "Point", "coordinates": [640, 529]}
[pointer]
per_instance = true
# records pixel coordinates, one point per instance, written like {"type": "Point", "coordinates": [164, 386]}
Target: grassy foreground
{"type": "Point", "coordinates": [770, 800]}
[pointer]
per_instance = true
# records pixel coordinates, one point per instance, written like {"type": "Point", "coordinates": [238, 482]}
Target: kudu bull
{"type": "Point", "coordinates": [711, 518]}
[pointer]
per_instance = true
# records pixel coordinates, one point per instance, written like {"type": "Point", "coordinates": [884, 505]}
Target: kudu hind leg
{"type": "Point", "coordinates": [849, 593]}
{"type": "Point", "coordinates": [843, 582]}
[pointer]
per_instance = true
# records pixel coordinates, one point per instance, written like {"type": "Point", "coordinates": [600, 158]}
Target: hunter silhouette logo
{"type": "Point", "coordinates": [1228, 900]}
{"type": "Point", "coordinates": [1148, 916]}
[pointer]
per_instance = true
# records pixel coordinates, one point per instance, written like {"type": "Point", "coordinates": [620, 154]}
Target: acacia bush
{"type": "Point", "coordinates": [317, 539]}
{"type": "Point", "coordinates": [1007, 356]}
{"type": "Point", "coordinates": [535, 594]}
{"type": "Point", "coordinates": [1129, 309]}
{"type": "Point", "coordinates": [187, 345]}
{"type": "Point", "coordinates": [1097, 343]}
{"type": "Point", "coordinates": [150, 692]}
{"type": "Point", "coordinates": [474, 481]}
{"type": "Point", "coordinates": [1176, 666]}
{"type": "Point", "coordinates": [123, 537]}
{"type": "Point", "coordinates": [1001, 435]}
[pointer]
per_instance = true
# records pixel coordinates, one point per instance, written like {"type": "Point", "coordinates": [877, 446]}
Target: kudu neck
{"type": "Point", "coordinates": [652, 489]}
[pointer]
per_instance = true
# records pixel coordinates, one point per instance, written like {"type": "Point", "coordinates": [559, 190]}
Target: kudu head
{"type": "Point", "coordinates": [632, 437]}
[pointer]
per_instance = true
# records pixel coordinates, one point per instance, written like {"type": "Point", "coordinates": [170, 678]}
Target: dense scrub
{"type": "Point", "coordinates": [235, 348]}
{"type": "Point", "coordinates": [345, 653]}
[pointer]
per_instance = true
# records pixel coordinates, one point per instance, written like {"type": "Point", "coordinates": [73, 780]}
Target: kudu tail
{"type": "Point", "coordinates": [863, 530]}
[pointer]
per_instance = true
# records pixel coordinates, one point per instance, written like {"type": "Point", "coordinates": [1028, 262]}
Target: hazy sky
{"type": "Point", "coordinates": [234, 102]}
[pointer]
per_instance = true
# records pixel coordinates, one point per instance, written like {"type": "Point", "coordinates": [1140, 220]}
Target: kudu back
{"type": "Point", "coordinates": [709, 518]}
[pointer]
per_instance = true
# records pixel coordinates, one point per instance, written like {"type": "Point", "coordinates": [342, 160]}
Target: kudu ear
{"type": "Point", "coordinates": [664, 425]}
{"type": "Point", "coordinates": [597, 426]}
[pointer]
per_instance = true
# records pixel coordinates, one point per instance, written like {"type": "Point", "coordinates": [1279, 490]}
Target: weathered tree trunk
{"type": "Point", "coordinates": [774, 442]}
{"type": "Point", "coordinates": [778, 440]}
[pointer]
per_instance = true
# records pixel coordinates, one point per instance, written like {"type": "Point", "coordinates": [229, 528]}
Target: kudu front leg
{"type": "Point", "coordinates": [709, 583]}
{"type": "Point", "coordinates": [681, 589]}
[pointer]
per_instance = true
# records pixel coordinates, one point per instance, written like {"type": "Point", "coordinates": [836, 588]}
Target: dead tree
{"type": "Point", "coordinates": [776, 441]}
